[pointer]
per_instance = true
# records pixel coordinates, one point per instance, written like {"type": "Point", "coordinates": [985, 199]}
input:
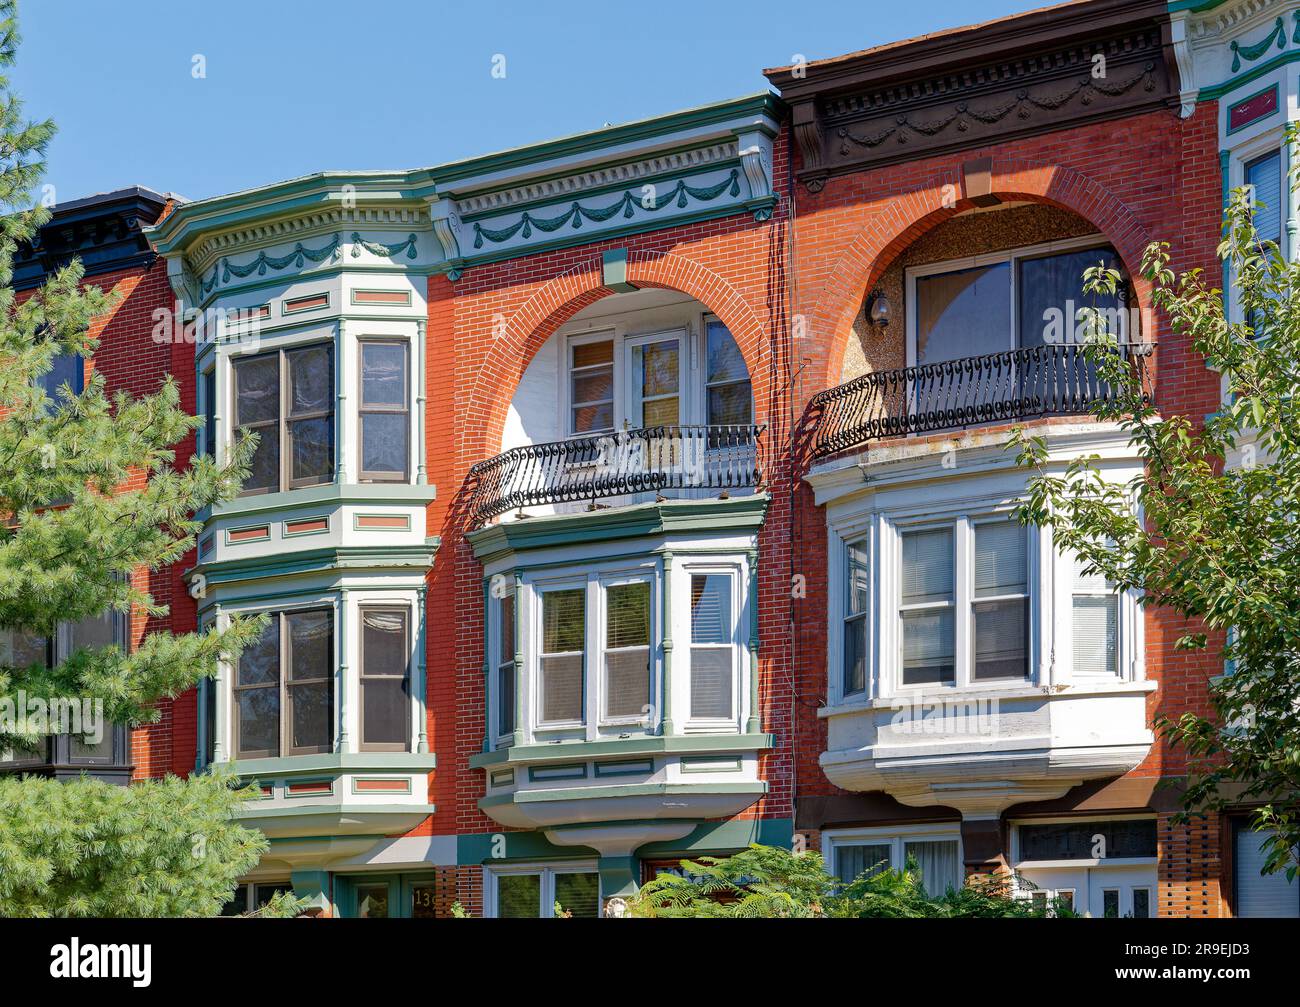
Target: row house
{"type": "Point", "coordinates": [644, 494]}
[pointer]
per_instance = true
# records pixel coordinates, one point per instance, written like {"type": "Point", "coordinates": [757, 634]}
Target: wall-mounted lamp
{"type": "Point", "coordinates": [876, 308]}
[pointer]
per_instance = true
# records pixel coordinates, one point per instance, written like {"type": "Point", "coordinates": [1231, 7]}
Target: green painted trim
{"type": "Point", "coordinates": [380, 779]}
{"type": "Point", "coordinates": [483, 847]}
{"type": "Point", "coordinates": [666, 724]}
{"type": "Point", "coordinates": [757, 788]}
{"type": "Point", "coordinates": [338, 762]}
{"type": "Point", "coordinates": [717, 837]}
{"type": "Point", "coordinates": [333, 810]}
{"type": "Point", "coordinates": [328, 781]}
{"type": "Point", "coordinates": [1246, 125]}
{"type": "Point", "coordinates": [248, 527]}
{"type": "Point", "coordinates": [502, 778]}
{"type": "Point", "coordinates": [745, 513]}
{"type": "Point", "coordinates": [1228, 86]}
{"type": "Point", "coordinates": [613, 264]}
{"type": "Point", "coordinates": [624, 767]}
{"type": "Point", "coordinates": [705, 764]}
{"type": "Point", "coordinates": [314, 561]}
{"type": "Point", "coordinates": [286, 533]}
{"type": "Point", "coordinates": [675, 744]}
{"type": "Point", "coordinates": [378, 290]}
{"type": "Point", "coordinates": [357, 516]}
{"type": "Point", "coordinates": [618, 876]}
{"type": "Point", "coordinates": [330, 493]}
{"type": "Point", "coordinates": [566, 771]}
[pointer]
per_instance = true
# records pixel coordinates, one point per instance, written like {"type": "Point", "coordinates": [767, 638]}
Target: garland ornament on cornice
{"type": "Point", "coordinates": [1020, 104]}
{"type": "Point", "coordinates": [627, 205]}
{"type": "Point", "coordinates": [298, 258]}
{"type": "Point", "coordinates": [376, 248]}
{"type": "Point", "coordinates": [1253, 52]}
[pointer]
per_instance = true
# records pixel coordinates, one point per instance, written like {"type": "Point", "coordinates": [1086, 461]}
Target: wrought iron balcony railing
{"type": "Point", "coordinates": [619, 463]}
{"type": "Point", "coordinates": [1047, 380]}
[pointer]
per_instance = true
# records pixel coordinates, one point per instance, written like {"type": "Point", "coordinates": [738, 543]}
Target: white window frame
{"type": "Point", "coordinates": [1011, 256]}
{"type": "Point", "coordinates": [611, 335]}
{"type": "Point", "coordinates": [896, 837]}
{"type": "Point", "coordinates": [1017, 863]}
{"type": "Point", "coordinates": [686, 393]}
{"type": "Point", "coordinates": [740, 603]}
{"type": "Point", "coordinates": [547, 871]}
{"type": "Point", "coordinates": [497, 660]}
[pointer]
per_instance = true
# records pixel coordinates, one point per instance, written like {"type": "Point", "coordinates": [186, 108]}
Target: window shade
{"type": "Point", "coordinates": [999, 558]}
{"type": "Point", "coordinates": [853, 861]}
{"type": "Point", "coordinates": [710, 608]}
{"type": "Point", "coordinates": [627, 615]}
{"type": "Point", "coordinates": [562, 688]}
{"type": "Point", "coordinates": [1264, 175]}
{"type": "Point", "coordinates": [1096, 635]}
{"type": "Point", "coordinates": [927, 565]}
{"type": "Point", "coordinates": [563, 621]}
{"type": "Point", "coordinates": [711, 682]}
{"type": "Point", "coordinates": [938, 863]}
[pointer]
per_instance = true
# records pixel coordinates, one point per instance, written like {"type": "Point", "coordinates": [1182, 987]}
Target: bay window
{"type": "Point", "coordinates": [284, 687]}
{"type": "Point", "coordinates": [564, 641]}
{"type": "Point", "coordinates": [712, 652]}
{"type": "Point", "coordinates": [384, 410]}
{"type": "Point", "coordinates": [287, 398]}
{"type": "Point", "coordinates": [385, 699]}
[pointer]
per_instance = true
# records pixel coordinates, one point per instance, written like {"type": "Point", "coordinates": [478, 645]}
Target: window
{"type": "Point", "coordinates": [530, 893]}
{"type": "Point", "coordinates": [1095, 605]}
{"type": "Point", "coordinates": [249, 898]}
{"type": "Point", "coordinates": [857, 595]}
{"type": "Point", "coordinates": [564, 641]}
{"type": "Point", "coordinates": [712, 650]}
{"type": "Point", "coordinates": [936, 853]}
{"type": "Point", "coordinates": [965, 581]}
{"type": "Point", "coordinates": [67, 369]}
{"type": "Point", "coordinates": [1263, 177]}
{"type": "Point", "coordinates": [287, 398]}
{"type": "Point", "coordinates": [385, 412]}
{"type": "Point", "coordinates": [627, 651]}
{"type": "Point", "coordinates": [372, 901]}
{"type": "Point", "coordinates": [1089, 840]}
{"type": "Point", "coordinates": [729, 398]}
{"type": "Point", "coordinates": [385, 655]}
{"type": "Point", "coordinates": [284, 687]}
{"type": "Point", "coordinates": [506, 665]}
{"type": "Point", "coordinates": [210, 413]}
{"type": "Point", "coordinates": [591, 386]}
{"type": "Point", "coordinates": [656, 381]}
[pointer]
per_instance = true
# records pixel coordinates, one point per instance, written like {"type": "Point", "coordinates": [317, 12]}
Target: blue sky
{"type": "Point", "coordinates": [295, 86]}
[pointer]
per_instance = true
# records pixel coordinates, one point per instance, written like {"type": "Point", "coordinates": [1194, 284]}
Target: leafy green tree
{"type": "Point", "coordinates": [769, 882]}
{"type": "Point", "coordinates": [73, 537]}
{"type": "Point", "coordinates": [1209, 531]}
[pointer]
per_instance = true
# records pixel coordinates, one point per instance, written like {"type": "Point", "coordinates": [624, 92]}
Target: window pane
{"type": "Point", "coordinates": [1141, 903]}
{"type": "Point", "coordinates": [593, 386]}
{"type": "Point", "coordinates": [853, 861]}
{"type": "Point", "coordinates": [383, 374]}
{"type": "Point", "coordinates": [259, 720]}
{"type": "Point", "coordinates": [1110, 903]}
{"type": "Point", "coordinates": [1265, 176]}
{"type": "Point", "coordinates": [506, 628]}
{"type": "Point", "coordinates": [562, 688]}
{"type": "Point", "coordinates": [859, 570]}
{"type": "Point", "coordinates": [929, 645]}
{"type": "Point", "coordinates": [257, 390]}
{"type": "Point", "coordinates": [20, 648]}
{"type": "Point", "coordinates": [311, 644]}
{"type": "Point", "coordinates": [938, 864]}
{"type": "Point", "coordinates": [313, 448]}
{"type": "Point", "coordinates": [66, 369]}
{"type": "Point", "coordinates": [965, 313]}
{"type": "Point", "coordinates": [1074, 840]}
{"type": "Point", "coordinates": [855, 655]}
{"type": "Point", "coordinates": [710, 608]}
{"type": "Point", "coordinates": [311, 380]}
{"type": "Point", "coordinates": [506, 698]}
{"type": "Point", "coordinates": [385, 711]}
{"type": "Point", "coordinates": [519, 896]}
{"type": "Point", "coordinates": [563, 621]}
{"type": "Point", "coordinates": [80, 750]}
{"type": "Point", "coordinates": [593, 354]}
{"type": "Point", "coordinates": [658, 364]}
{"type": "Point", "coordinates": [383, 442]}
{"type": "Point", "coordinates": [1096, 635]}
{"type": "Point", "coordinates": [384, 642]}
{"type": "Point", "coordinates": [424, 901]}
{"type": "Point", "coordinates": [210, 413]}
{"type": "Point", "coordinates": [259, 662]}
{"type": "Point", "coordinates": [372, 901]}
{"type": "Point", "coordinates": [731, 404]}
{"type": "Point", "coordinates": [999, 559]}
{"type": "Point", "coordinates": [1001, 639]}
{"type": "Point", "coordinates": [312, 715]}
{"type": "Point", "coordinates": [725, 360]}
{"type": "Point", "coordinates": [627, 682]}
{"type": "Point", "coordinates": [660, 413]}
{"type": "Point", "coordinates": [627, 615]}
{"type": "Point", "coordinates": [578, 894]}
{"type": "Point", "coordinates": [265, 464]}
{"type": "Point", "coordinates": [1051, 292]}
{"type": "Point", "coordinates": [927, 565]}
{"type": "Point", "coordinates": [262, 894]}
{"type": "Point", "coordinates": [590, 419]}
{"type": "Point", "coordinates": [627, 673]}
{"type": "Point", "coordinates": [711, 675]}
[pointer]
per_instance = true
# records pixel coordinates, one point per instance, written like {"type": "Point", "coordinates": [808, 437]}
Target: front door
{"type": "Point", "coordinates": [1097, 892]}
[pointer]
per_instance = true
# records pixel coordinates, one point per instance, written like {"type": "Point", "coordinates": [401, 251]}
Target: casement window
{"type": "Point", "coordinates": [384, 410]}
{"type": "Point", "coordinates": [591, 385]}
{"type": "Point", "coordinates": [534, 892]}
{"type": "Point", "coordinates": [656, 379]}
{"type": "Point", "coordinates": [210, 413]}
{"type": "Point", "coordinates": [729, 395]}
{"type": "Point", "coordinates": [505, 667]}
{"type": "Point", "coordinates": [284, 687]}
{"type": "Point", "coordinates": [935, 851]}
{"type": "Point", "coordinates": [385, 697]}
{"type": "Point", "coordinates": [1005, 301]}
{"type": "Point", "coordinates": [1095, 613]}
{"type": "Point", "coordinates": [287, 398]}
{"type": "Point", "coordinates": [1263, 178]}
{"type": "Point", "coordinates": [963, 605]}
{"type": "Point", "coordinates": [857, 596]}
{"type": "Point", "coordinates": [713, 651]}
{"type": "Point", "coordinates": [250, 897]}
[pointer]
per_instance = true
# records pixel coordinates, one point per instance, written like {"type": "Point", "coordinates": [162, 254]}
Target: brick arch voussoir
{"type": "Point", "coordinates": [888, 231]}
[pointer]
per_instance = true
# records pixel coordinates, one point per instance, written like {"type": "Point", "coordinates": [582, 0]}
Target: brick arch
{"type": "Point", "coordinates": [904, 219]}
{"type": "Point", "coordinates": [563, 296]}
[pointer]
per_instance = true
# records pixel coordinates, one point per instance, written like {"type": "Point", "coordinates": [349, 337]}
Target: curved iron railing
{"type": "Point", "coordinates": [1017, 384]}
{"type": "Point", "coordinates": [652, 459]}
